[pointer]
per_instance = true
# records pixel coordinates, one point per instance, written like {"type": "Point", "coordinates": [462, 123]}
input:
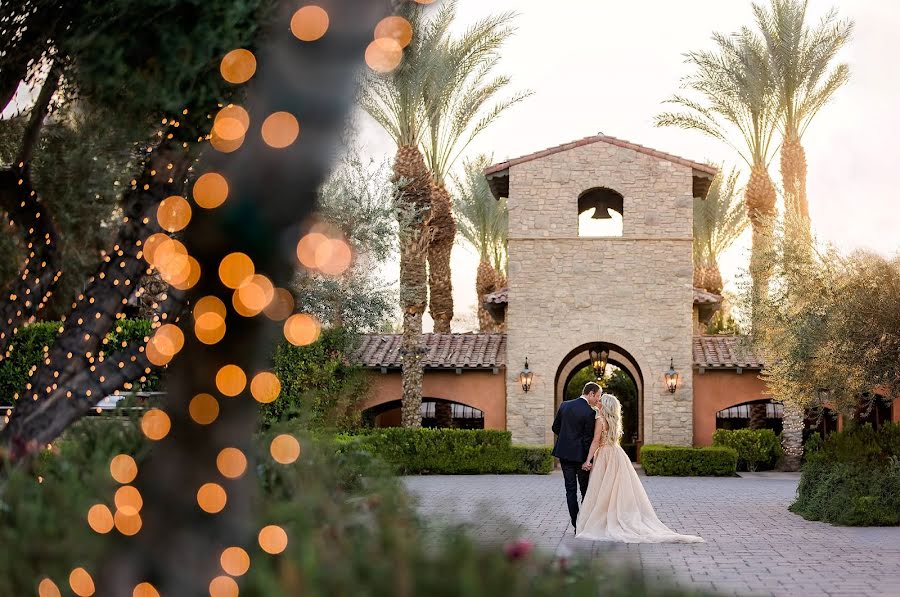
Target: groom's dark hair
{"type": "Point", "coordinates": [590, 387]}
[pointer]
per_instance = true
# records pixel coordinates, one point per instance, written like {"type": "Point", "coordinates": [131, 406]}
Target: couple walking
{"type": "Point", "coordinates": [614, 505]}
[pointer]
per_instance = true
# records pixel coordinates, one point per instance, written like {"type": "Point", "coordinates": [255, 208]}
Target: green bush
{"type": "Point", "coordinates": [352, 529]}
{"type": "Point", "coordinates": [852, 478]}
{"type": "Point", "coordinates": [757, 449]}
{"type": "Point", "coordinates": [27, 349]}
{"type": "Point", "coordinates": [677, 461]}
{"type": "Point", "coordinates": [318, 383]}
{"type": "Point", "coordinates": [450, 451]}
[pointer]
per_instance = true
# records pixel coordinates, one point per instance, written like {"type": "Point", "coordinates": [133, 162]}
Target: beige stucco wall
{"type": "Point", "coordinates": [633, 291]}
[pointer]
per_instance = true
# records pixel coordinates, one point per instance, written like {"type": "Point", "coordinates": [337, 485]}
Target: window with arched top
{"type": "Point", "coordinates": [600, 212]}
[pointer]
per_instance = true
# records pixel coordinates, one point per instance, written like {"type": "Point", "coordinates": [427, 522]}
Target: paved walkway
{"type": "Point", "coordinates": [754, 545]}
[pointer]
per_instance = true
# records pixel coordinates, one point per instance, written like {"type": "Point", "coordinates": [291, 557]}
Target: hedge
{"type": "Point", "coordinates": [852, 478]}
{"type": "Point", "coordinates": [757, 449]}
{"type": "Point", "coordinates": [27, 349]}
{"type": "Point", "coordinates": [676, 461]}
{"type": "Point", "coordinates": [450, 451]}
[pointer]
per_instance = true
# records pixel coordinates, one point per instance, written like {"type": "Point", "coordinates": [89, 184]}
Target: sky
{"type": "Point", "coordinates": [601, 66]}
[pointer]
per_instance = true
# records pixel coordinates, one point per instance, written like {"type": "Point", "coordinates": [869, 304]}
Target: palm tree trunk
{"type": "Point", "coordinates": [708, 277]}
{"type": "Point", "coordinates": [486, 282]}
{"type": "Point", "coordinates": [758, 415]}
{"type": "Point", "coordinates": [759, 198]}
{"type": "Point", "coordinates": [414, 200]}
{"type": "Point", "coordinates": [792, 436]}
{"type": "Point", "coordinates": [443, 414]}
{"type": "Point", "coordinates": [443, 227]}
{"type": "Point", "coordinates": [793, 176]}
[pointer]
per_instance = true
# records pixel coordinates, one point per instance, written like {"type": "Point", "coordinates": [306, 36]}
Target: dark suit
{"type": "Point", "coordinates": [574, 426]}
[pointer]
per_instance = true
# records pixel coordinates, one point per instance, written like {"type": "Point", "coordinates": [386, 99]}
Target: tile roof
{"type": "Point", "coordinates": [501, 297]}
{"type": "Point", "coordinates": [725, 352]}
{"type": "Point", "coordinates": [702, 297]}
{"type": "Point", "coordinates": [705, 168]}
{"type": "Point", "coordinates": [442, 351]}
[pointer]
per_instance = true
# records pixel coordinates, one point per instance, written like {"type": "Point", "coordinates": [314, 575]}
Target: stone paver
{"type": "Point", "coordinates": [754, 545]}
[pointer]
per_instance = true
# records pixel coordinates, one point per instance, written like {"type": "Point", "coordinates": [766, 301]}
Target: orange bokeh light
{"type": "Point", "coordinates": [301, 329]}
{"type": "Point", "coordinates": [307, 247]}
{"type": "Point", "coordinates": [333, 257]}
{"type": "Point", "coordinates": [210, 190]}
{"type": "Point", "coordinates": [128, 525]}
{"type": "Point", "coordinates": [236, 269]}
{"type": "Point", "coordinates": [282, 305]}
{"type": "Point", "coordinates": [155, 424]}
{"type": "Point", "coordinates": [280, 129]}
{"type": "Point", "coordinates": [48, 588]}
{"type": "Point", "coordinates": [128, 500]}
{"type": "Point", "coordinates": [209, 319]}
{"type": "Point", "coordinates": [396, 28]}
{"type": "Point", "coordinates": [81, 582]}
{"type": "Point", "coordinates": [231, 380]}
{"type": "Point", "coordinates": [309, 23]}
{"type": "Point", "coordinates": [265, 387]}
{"type": "Point", "coordinates": [153, 242]}
{"type": "Point", "coordinates": [186, 278]}
{"type": "Point", "coordinates": [231, 123]}
{"type": "Point", "coordinates": [145, 589]}
{"type": "Point", "coordinates": [235, 561]}
{"type": "Point", "coordinates": [173, 213]}
{"type": "Point", "coordinates": [273, 539]}
{"type": "Point", "coordinates": [123, 468]}
{"type": "Point", "coordinates": [211, 498]}
{"type": "Point", "coordinates": [231, 462]}
{"type": "Point", "coordinates": [204, 409]}
{"type": "Point", "coordinates": [238, 66]}
{"type": "Point", "coordinates": [251, 298]}
{"type": "Point", "coordinates": [285, 449]}
{"type": "Point", "coordinates": [100, 519]}
{"type": "Point", "coordinates": [164, 344]}
{"type": "Point", "coordinates": [384, 55]}
{"type": "Point", "coordinates": [223, 586]}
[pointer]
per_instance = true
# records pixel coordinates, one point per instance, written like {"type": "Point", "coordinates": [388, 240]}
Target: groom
{"type": "Point", "coordinates": [574, 426]}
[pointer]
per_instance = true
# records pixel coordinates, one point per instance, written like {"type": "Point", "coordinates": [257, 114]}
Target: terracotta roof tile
{"type": "Point", "coordinates": [442, 351]}
{"type": "Point", "coordinates": [702, 297]}
{"type": "Point", "coordinates": [501, 297]}
{"type": "Point", "coordinates": [725, 352]}
{"type": "Point", "coordinates": [705, 168]}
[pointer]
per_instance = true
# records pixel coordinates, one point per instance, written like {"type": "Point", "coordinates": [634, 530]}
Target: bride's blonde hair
{"type": "Point", "coordinates": [612, 414]}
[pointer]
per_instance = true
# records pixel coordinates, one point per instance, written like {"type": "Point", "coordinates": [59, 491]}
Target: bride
{"type": "Point", "coordinates": [616, 507]}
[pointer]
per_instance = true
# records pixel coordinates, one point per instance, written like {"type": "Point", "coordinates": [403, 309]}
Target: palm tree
{"type": "Point", "coordinates": [395, 101]}
{"type": "Point", "coordinates": [461, 98]}
{"type": "Point", "coordinates": [483, 223]}
{"type": "Point", "coordinates": [719, 220]}
{"type": "Point", "coordinates": [800, 69]}
{"type": "Point", "coordinates": [739, 109]}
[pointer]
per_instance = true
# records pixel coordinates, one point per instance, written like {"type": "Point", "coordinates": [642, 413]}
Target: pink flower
{"type": "Point", "coordinates": [518, 549]}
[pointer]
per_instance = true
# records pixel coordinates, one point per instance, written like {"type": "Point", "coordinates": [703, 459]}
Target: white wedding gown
{"type": "Point", "coordinates": [616, 507]}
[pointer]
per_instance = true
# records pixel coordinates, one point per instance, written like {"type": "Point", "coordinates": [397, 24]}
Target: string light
{"type": "Point", "coordinates": [231, 380]}
{"type": "Point", "coordinates": [211, 498]}
{"type": "Point", "coordinates": [223, 586]}
{"type": "Point", "coordinates": [145, 589]}
{"type": "Point", "coordinates": [238, 66]}
{"type": "Point", "coordinates": [231, 462]}
{"type": "Point", "coordinates": [81, 582]}
{"type": "Point", "coordinates": [265, 387]}
{"type": "Point", "coordinates": [273, 539]}
{"type": "Point", "coordinates": [204, 409]}
{"type": "Point", "coordinates": [309, 23]}
{"type": "Point", "coordinates": [285, 449]}
{"type": "Point", "coordinates": [235, 561]}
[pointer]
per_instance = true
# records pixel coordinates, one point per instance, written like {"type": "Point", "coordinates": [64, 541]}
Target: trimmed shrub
{"type": "Point", "coordinates": [450, 451]}
{"type": "Point", "coordinates": [852, 478]}
{"type": "Point", "coordinates": [676, 461]}
{"type": "Point", "coordinates": [757, 449]}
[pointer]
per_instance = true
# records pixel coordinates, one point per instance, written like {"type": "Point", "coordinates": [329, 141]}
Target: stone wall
{"type": "Point", "coordinates": [633, 291]}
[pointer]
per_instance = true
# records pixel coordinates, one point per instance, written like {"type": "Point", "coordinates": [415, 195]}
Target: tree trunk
{"type": "Point", "coordinates": [793, 177]}
{"type": "Point", "coordinates": [486, 282]}
{"type": "Point", "coordinates": [708, 277]}
{"type": "Point", "coordinates": [413, 205]}
{"type": "Point", "coordinates": [759, 198]}
{"type": "Point", "coordinates": [443, 413]}
{"type": "Point", "coordinates": [792, 436]}
{"type": "Point", "coordinates": [757, 415]}
{"type": "Point", "coordinates": [443, 227]}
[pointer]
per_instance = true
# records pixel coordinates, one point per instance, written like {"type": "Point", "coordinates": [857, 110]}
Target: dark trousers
{"type": "Point", "coordinates": [572, 475]}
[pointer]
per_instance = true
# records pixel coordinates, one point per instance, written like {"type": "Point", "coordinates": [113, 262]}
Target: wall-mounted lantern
{"type": "Point", "coordinates": [672, 377]}
{"type": "Point", "coordinates": [599, 360]}
{"type": "Point", "coordinates": [525, 377]}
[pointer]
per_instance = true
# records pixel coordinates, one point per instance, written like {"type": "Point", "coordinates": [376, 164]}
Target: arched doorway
{"type": "Point", "coordinates": [461, 416]}
{"type": "Point", "coordinates": [620, 360]}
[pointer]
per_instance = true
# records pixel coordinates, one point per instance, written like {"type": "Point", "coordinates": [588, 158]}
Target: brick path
{"type": "Point", "coordinates": [754, 545]}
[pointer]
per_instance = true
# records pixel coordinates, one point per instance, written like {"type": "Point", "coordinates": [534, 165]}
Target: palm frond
{"type": "Point", "coordinates": [482, 221]}
{"type": "Point", "coordinates": [720, 218]}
